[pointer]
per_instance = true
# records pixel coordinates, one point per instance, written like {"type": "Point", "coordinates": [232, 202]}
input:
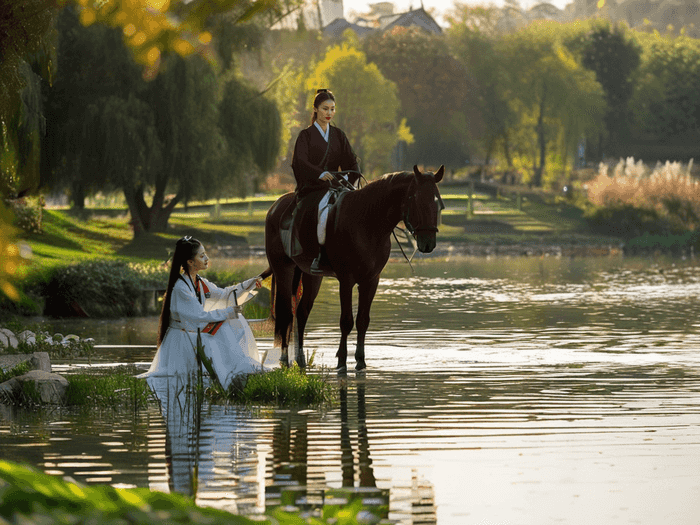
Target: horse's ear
{"type": "Point", "coordinates": [416, 171]}
{"type": "Point", "coordinates": [439, 173]}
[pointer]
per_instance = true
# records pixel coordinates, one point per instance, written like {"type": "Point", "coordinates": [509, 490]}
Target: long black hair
{"type": "Point", "coordinates": [185, 250]}
{"type": "Point", "coordinates": [321, 96]}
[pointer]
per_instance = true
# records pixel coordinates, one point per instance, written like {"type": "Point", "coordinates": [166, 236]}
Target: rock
{"type": "Point", "coordinates": [50, 387]}
{"type": "Point", "coordinates": [37, 361]}
{"type": "Point", "coordinates": [9, 390]}
{"type": "Point", "coordinates": [8, 338]}
{"type": "Point", "coordinates": [27, 336]}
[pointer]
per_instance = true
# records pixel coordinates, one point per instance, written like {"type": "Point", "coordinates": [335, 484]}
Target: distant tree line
{"type": "Point", "coordinates": [89, 107]}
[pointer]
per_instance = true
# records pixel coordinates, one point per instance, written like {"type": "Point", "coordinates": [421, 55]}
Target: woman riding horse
{"type": "Point", "coordinates": [319, 149]}
{"type": "Point", "coordinates": [358, 247]}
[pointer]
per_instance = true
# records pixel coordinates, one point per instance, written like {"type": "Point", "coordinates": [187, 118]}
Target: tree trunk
{"type": "Point", "coordinates": [145, 219]}
{"type": "Point", "coordinates": [78, 195]}
{"type": "Point", "coordinates": [136, 222]}
{"type": "Point", "coordinates": [541, 139]}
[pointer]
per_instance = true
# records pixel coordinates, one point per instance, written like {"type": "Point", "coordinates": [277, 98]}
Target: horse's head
{"type": "Point", "coordinates": [422, 206]}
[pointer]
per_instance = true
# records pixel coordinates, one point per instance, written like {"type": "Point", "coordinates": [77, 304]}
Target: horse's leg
{"type": "Point", "coordinates": [366, 292]}
{"type": "Point", "coordinates": [283, 311]}
{"type": "Point", "coordinates": [346, 322]}
{"type": "Point", "coordinates": [311, 284]}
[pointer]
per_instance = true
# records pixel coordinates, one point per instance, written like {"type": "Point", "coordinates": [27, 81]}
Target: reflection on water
{"type": "Point", "coordinates": [504, 391]}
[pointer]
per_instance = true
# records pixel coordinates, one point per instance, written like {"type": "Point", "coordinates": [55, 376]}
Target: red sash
{"type": "Point", "coordinates": [212, 327]}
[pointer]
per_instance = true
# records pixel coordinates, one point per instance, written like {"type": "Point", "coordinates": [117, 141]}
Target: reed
{"type": "Point", "coordinates": [670, 189]}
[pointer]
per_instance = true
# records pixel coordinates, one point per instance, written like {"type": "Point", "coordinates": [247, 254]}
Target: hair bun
{"type": "Point", "coordinates": [323, 90]}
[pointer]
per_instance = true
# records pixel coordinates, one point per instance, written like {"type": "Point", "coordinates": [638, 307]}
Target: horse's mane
{"type": "Point", "coordinates": [363, 200]}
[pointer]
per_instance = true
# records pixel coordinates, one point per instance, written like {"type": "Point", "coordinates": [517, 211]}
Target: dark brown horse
{"type": "Point", "coordinates": [358, 245]}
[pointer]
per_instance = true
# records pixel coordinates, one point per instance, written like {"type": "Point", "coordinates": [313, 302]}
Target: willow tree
{"type": "Point", "coordinates": [556, 99]}
{"type": "Point", "coordinates": [190, 132]}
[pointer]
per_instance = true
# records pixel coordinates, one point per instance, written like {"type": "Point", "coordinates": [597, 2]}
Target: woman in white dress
{"type": "Point", "coordinates": [192, 302]}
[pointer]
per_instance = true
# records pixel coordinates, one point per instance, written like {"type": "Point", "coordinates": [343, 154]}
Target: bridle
{"type": "Point", "coordinates": [409, 200]}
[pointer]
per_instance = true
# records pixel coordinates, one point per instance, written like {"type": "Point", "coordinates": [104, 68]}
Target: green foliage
{"type": "Point", "coordinates": [649, 244]}
{"type": "Point", "coordinates": [114, 388]}
{"type": "Point", "coordinates": [15, 371]}
{"type": "Point", "coordinates": [251, 125]}
{"type": "Point", "coordinates": [557, 100]}
{"type": "Point", "coordinates": [614, 56]}
{"type": "Point", "coordinates": [282, 386]}
{"type": "Point", "coordinates": [28, 212]}
{"type": "Point", "coordinates": [665, 105]}
{"type": "Point", "coordinates": [30, 496]}
{"type": "Point", "coordinates": [27, 495]}
{"type": "Point", "coordinates": [70, 350]}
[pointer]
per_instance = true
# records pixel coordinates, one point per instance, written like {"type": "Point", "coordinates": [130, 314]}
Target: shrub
{"type": "Point", "coordinates": [625, 220]}
{"type": "Point", "coordinates": [19, 370]}
{"type": "Point", "coordinates": [102, 289]}
{"type": "Point", "coordinates": [28, 213]}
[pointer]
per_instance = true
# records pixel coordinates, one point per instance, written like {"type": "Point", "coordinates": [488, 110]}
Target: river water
{"type": "Point", "coordinates": [499, 391]}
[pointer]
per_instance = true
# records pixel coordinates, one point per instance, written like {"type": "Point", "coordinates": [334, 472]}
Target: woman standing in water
{"type": "Point", "coordinates": [320, 149]}
{"type": "Point", "coordinates": [188, 305]}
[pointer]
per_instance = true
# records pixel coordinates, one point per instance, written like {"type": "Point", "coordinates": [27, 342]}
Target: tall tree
{"type": "Point", "coordinates": [473, 35]}
{"type": "Point", "coordinates": [614, 56]}
{"type": "Point", "coordinates": [558, 100]}
{"type": "Point", "coordinates": [665, 103]}
{"type": "Point", "coordinates": [160, 137]}
{"type": "Point", "coordinates": [434, 89]}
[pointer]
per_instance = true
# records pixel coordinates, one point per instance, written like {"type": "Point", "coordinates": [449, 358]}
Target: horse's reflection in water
{"type": "Point", "coordinates": [297, 484]}
{"type": "Point", "coordinates": [305, 468]}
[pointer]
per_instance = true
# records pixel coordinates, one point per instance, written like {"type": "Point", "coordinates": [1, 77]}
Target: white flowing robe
{"type": "Point", "coordinates": [232, 349]}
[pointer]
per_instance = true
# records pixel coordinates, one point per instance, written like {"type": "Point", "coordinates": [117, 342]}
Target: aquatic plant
{"type": "Point", "coordinates": [108, 388]}
{"type": "Point", "coordinates": [282, 386]}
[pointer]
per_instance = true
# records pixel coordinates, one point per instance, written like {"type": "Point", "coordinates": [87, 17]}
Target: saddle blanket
{"type": "Point", "coordinates": [323, 208]}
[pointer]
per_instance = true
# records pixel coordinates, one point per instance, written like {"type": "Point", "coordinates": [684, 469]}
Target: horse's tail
{"type": "Point", "coordinates": [273, 290]}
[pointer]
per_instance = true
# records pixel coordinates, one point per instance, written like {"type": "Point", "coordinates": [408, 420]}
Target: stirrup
{"type": "Point", "coordinates": [316, 268]}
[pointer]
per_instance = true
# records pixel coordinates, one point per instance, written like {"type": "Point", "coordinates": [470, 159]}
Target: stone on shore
{"type": "Point", "coordinates": [50, 388]}
{"type": "Point", "coordinates": [37, 361]}
{"type": "Point", "coordinates": [7, 338]}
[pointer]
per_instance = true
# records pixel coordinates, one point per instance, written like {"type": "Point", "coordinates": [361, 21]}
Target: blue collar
{"type": "Point", "coordinates": [320, 129]}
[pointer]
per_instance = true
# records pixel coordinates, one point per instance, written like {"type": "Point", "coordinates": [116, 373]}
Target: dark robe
{"type": "Point", "coordinates": [307, 166]}
{"type": "Point", "coordinates": [308, 154]}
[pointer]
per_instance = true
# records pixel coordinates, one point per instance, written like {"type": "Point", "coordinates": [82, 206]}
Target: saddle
{"type": "Point", "coordinates": [302, 216]}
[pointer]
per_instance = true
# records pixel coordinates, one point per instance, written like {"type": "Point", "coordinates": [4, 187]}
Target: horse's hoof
{"type": "Point", "coordinates": [361, 365]}
{"type": "Point", "coordinates": [341, 369]}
